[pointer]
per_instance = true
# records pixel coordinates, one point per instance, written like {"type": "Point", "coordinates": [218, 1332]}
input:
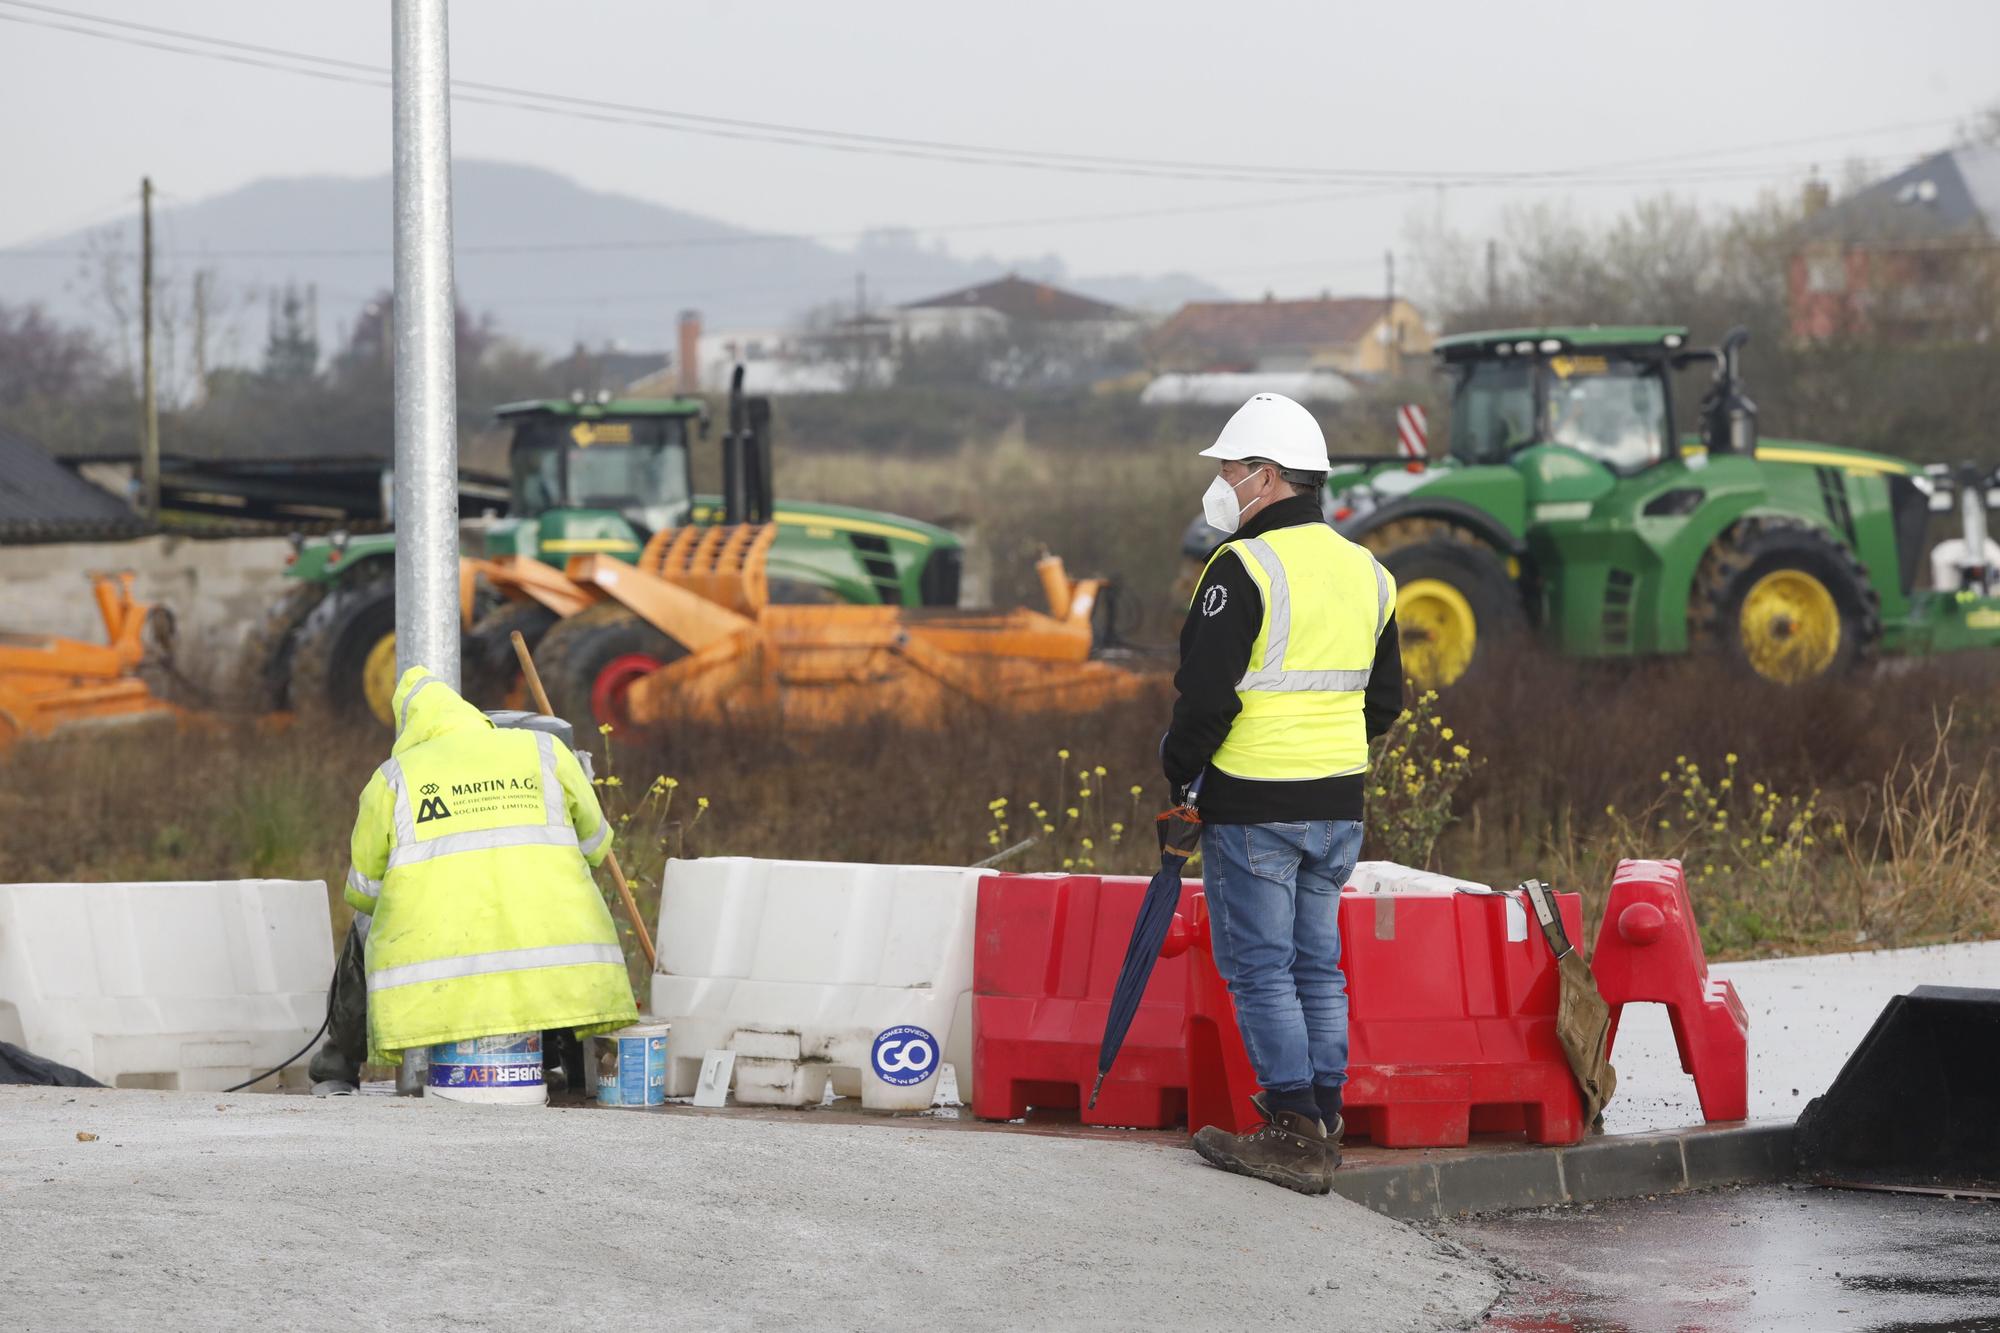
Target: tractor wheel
{"type": "Point", "coordinates": [1785, 601]}
{"type": "Point", "coordinates": [344, 666]}
{"type": "Point", "coordinates": [590, 660]}
{"type": "Point", "coordinates": [1453, 600]}
{"type": "Point", "coordinates": [264, 674]}
{"type": "Point", "coordinates": [490, 671]}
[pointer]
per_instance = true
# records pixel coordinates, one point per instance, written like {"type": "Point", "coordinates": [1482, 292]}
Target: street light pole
{"type": "Point", "coordinates": [426, 465]}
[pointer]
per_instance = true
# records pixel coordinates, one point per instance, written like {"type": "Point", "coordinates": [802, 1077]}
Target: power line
{"type": "Point", "coordinates": [355, 72]}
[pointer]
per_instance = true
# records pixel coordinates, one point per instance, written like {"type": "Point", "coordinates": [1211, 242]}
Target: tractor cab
{"type": "Point", "coordinates": [1604, 393]}
{"type": "Point", "coordinates": [624, 457]}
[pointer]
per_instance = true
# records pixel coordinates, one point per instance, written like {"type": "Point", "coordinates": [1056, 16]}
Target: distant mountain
{"type": "Point", "coordinates": [627, 267]}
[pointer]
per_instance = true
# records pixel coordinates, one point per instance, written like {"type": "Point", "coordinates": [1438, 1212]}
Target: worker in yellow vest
{"type": "Point", "coordinates": [470, 880]}
{"type": "Point", "coordinates": [1289, 667]}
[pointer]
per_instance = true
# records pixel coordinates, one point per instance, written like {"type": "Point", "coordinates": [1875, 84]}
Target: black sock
{"type": "Point", "coordinates": [1327, 1098]}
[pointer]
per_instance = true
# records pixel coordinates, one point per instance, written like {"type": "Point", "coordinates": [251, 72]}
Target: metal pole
{"type": "Point", "coordinates": [149, 419]}
{"type": "Point", "coordinates": [426, 494]}
{"type": "Point", "coordinates": [426, 500]}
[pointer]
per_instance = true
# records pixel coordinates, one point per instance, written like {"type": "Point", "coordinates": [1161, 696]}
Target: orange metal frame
{"type": "Point", "coordinates": [48, 682]}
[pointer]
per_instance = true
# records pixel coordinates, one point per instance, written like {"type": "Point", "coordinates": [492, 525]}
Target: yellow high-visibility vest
{"type": "Point", "coordinates": [471, 856]}
{"type": "Point", "coordinates": [1326, 602]}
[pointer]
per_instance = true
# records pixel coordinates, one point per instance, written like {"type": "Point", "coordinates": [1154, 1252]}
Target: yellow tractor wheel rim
{"type": "Point", "coordinates": [1438, 629]}
{"type": "Point", "coordinates": [1790, 626]}
{"type": "Point", "coordinates": [378, 679]}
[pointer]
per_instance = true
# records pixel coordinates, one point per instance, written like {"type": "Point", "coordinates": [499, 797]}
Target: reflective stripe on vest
{"type": "Point", "coordinates": [1278, 632]}
{"type": "Point", "coordinates": [403, 720]}
{"type": "Point", "coordinates": [485, 964]}
{"type": "Point", "coordinates": [361, 884]}
{"type": "Point", "coordinates": [595, 840]}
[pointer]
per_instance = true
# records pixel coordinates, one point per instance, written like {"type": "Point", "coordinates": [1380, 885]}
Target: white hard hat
{"type": "Point", "coordinates": [1272, 426]}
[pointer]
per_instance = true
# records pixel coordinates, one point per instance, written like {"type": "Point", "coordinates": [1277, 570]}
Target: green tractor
{"type": "Point", "coordinates": [1568, 511]}
{"type": "Point", "coordinates": [586, 478]}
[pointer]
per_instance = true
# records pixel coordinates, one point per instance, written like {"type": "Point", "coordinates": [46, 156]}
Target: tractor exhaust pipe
{"type": "Point", "coordinates": [732, 453]}
{"type": "Point", "coordinates": [1729, 418]}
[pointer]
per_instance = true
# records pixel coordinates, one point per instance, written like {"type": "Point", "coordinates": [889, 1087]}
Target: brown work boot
{"type": "Point", "coordinates": [1289, 1149]}
{"type": "Point", "coordinates": [1334, 1131]}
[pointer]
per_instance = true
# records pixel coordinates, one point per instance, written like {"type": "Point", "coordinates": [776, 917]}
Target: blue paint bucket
{"type": "Point", "coordinates": [501, 1070]}
{"type": "Point", "coordinates": [632, 1065]}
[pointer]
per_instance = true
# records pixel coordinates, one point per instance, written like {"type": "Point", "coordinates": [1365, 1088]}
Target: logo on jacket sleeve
{"type": "Point", "coordinates": [432, 806]}
{"type": "Point", "coordinates": [1214, 599]}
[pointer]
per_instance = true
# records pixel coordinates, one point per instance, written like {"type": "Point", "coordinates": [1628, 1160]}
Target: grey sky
{"type": "Point", "coordinates": [1430, 87]}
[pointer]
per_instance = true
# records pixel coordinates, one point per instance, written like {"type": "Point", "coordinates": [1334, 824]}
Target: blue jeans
{"type": "Point", "coordinates": [1274, 924]}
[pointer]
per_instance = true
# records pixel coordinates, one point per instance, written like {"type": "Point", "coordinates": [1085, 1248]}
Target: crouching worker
{"type": "Point", "coordinates": [476, 914]}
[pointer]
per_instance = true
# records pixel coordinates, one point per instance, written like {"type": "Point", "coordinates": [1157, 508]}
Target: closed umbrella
{"type": "Point", "coordinates": [1180, 833]}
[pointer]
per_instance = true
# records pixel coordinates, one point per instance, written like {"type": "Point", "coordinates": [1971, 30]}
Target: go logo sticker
{"type": "Point", "coordinates": [904, 1055]}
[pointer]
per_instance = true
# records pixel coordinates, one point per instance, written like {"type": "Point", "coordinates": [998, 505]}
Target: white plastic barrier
{"type": "Point", "coordinates": [816, 971]}
{"type": "Point", "coordinates": [194, 985]}
{"type": "Point", "coordinates": [1391, 877]}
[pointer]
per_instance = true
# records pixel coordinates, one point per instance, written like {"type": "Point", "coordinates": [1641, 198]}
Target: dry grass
{"type": "Point", "coordinates": [1904, 846]}
{"type": "Point", "coordinates": [1564, 774]}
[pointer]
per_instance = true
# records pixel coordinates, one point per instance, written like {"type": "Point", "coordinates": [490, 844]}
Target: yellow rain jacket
{"type": "Point", "coordinates": [469, 858]}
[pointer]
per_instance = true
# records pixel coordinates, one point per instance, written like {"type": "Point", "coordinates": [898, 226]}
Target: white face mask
{"type": "Point", "coordinates": [1220, 506]}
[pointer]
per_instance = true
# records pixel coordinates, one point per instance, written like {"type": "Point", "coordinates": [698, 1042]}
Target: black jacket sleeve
{"type": "Point", "coordinates": [1215, 651]}
{"type": "Point", "coordinates": [1382, 703]}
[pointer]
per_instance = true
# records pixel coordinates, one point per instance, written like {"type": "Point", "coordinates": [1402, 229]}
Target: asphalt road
{"type": "Point", "coordinates": [193, 1211]}
{"type": "Point", "coordinates": [1766, 1260]}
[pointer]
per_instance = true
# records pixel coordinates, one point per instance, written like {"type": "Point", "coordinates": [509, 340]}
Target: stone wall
{"type": "Point", "coordinates": [217, 589]}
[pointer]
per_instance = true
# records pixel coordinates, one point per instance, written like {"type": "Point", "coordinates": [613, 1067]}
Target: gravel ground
{"type": "Point", "coordinates": [199, 1211]}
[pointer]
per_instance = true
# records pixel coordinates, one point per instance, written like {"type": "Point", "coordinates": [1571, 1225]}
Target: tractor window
{"type": "Point", "coordinates": [631, 465]}
{"type": "Point", "coordinates": [1492, 411]}
{"type": "Point", "coordinates": [1613, 410]}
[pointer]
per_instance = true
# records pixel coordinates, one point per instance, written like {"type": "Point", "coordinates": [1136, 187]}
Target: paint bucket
{"type": "Point", "coordinates": [501, 1070]}
{"type": "Point", "coordinates": [632, 1065]}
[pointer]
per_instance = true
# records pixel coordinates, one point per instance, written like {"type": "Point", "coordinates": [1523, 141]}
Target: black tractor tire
{"type": "Point", "coordinates": [263, 677]}
{"type": "Point", "coordinates": [587, 659]}
{"type": "Point", "coordinates": [1478, 575]}
{"type": "Point", "coordinates": [1749, 553]}
{"type": "Point", "coordinates": [334, 643]}
{"type": "Point", "coordinates": [490, 671]}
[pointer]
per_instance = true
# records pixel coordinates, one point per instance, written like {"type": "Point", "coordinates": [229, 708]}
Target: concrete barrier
{"type": "Point", "coordinates": [178, 985]}
{"type": "Point", "coordinates": [816, 972]}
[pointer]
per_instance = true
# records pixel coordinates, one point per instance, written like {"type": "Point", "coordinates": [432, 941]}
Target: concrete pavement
{"type": "Point", "coordinates": [200, 1211]}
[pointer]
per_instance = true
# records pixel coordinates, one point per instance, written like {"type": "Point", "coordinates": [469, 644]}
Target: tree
{"type": "Point", "coordinates": [291, 351]}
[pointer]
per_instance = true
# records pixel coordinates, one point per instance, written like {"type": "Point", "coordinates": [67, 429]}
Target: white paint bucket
{"type": "Point", "coordinates": [501, 1070]}
{"type": "Point", "coordinates": [632, 1065]}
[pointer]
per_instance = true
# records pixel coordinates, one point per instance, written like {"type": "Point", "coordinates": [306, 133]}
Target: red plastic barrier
{"type": "Point", "coordinates": [1451, 1031]}
{"type": "Point", "coordinates": [1045, 959]}
{"type": "Point", "coordinates": [1649, 950]}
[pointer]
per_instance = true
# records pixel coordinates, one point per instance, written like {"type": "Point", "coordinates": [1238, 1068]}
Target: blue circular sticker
{"type": "Point", "coordinates": [904, 1055]}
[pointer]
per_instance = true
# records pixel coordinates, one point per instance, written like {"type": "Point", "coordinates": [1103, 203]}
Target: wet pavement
{"type": "Point", "coordinates": [1806, 1015]}
{"type": "Point", "coordinates": [1773, 1259]}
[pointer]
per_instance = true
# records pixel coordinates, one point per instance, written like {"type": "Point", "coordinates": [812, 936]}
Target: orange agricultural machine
{"type": "Point", "coordinates": [48, 682]}
{"type": "Point", "coordinates": [690, 631]}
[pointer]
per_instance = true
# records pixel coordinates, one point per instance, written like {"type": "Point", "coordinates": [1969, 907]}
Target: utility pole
{"type": "Point", "coordinates": [426, 462]}
{"type": "Point", "coordinates": [1492, 278]}
{"type": "Point", "coordinates": [149, 428]}
{"type": "Point", "coordinates": [860, 296]}
{"type": "Point", "coordinates": [1391, 340]}
{"type": "Point", "coordinates": [425, 498]}
{"type": "Point", "coordinates": [201, 277]}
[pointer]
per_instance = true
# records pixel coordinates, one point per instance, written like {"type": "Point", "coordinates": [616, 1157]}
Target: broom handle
{"type": "Point", "coordinates": [610, 858]}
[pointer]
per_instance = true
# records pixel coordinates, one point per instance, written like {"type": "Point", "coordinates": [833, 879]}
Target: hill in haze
{"type": "Point", "coordinates": [553, 262]}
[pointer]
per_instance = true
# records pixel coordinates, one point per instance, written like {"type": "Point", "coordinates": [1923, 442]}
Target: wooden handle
{"type": "Point", "coordinates": [541, 695]}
